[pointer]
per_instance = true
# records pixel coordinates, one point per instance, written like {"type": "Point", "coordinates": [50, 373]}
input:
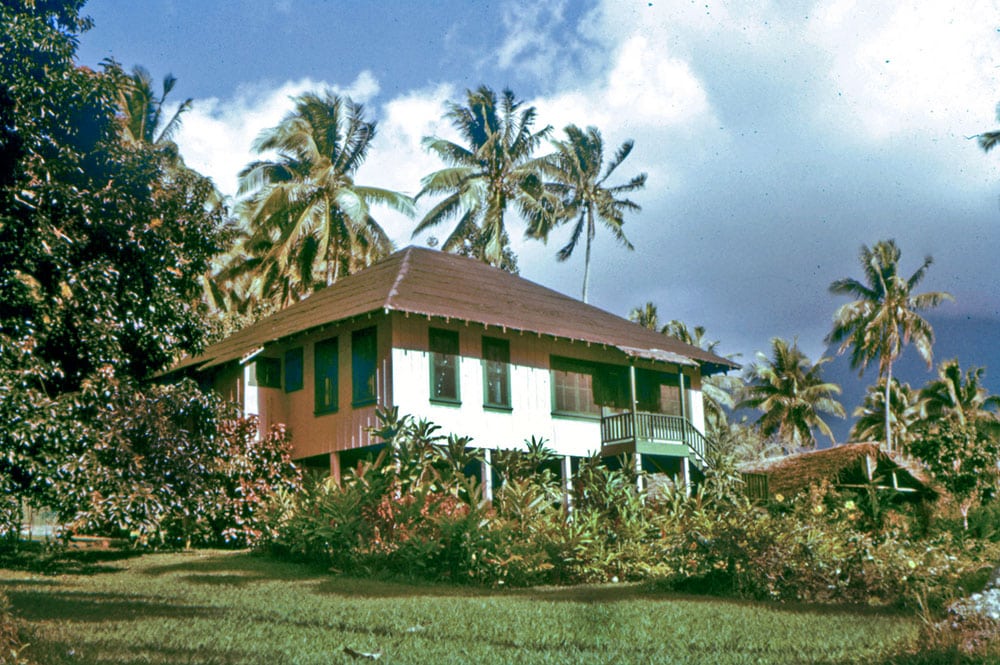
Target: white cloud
{"type": "Point", "coordinates": [904, 68]}
{"type": "Point", "coordinates": [217, 134]}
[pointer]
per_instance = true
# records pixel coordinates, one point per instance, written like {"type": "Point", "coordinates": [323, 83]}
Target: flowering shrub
{"type": "Point", "coordinates": [412, 511]}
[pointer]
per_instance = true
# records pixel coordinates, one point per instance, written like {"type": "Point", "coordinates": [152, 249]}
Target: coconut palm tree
{"type": "Point", "coordinates": [577, 180]}
{"type": "Point", "coordinates": [963, 398]}
{"type": "Point", "coordinates": [717, 391]}
{"type": "Point", "coordinates": [646, 316]}
{"type": "Point", "coordinates": [308, 219]}
{"type": "Point", "coordinates": [494, 169]}
{"type": "Point", "coordinates": [884, 317]}
{"type": "Point", "coordinates": [790, 392]}
{"type": "Point", "coordinates": [145, 119]}
{"type": "Point", "coordinates": [905, 409]}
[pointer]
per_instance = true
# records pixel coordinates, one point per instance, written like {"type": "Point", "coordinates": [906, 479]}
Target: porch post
{"type": "Point", "coordinates": [486, 469]}
{"type": "Point", "coordinates": [680, 374]}
{"type": "Point", "coordinates": [635, 425]}
{"type": "Point", "coordinates": [567, 479]}
{"type": "Point", "coordinates": [335, 466]}
{"type": "Point", "coordinates": [686, 475]}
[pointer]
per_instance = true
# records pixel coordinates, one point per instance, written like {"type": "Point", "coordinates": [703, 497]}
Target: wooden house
{"type": "Point", "coordinates": [476, 350]}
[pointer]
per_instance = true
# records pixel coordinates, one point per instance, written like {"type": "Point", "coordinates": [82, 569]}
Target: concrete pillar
{"type": "Point", "coordinates": [567, 480]}
{"type": "Point", "coordinates": [486, 467]}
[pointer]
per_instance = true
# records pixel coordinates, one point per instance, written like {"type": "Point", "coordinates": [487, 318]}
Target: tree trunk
{"type": "Point", "coordinates": [586, 258]}
{"type": "Point", "coordinates": [888, 406]}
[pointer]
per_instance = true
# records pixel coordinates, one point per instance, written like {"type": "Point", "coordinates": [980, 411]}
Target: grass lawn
{"type": "Point", "coordinates": [234, 607]}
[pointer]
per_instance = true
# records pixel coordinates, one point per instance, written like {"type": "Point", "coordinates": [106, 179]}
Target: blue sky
{"type": "Point", "coordinates": [778, 137]}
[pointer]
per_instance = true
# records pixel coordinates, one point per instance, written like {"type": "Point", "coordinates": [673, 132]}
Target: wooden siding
{"type": "Point", "coordinates": [531, 388]}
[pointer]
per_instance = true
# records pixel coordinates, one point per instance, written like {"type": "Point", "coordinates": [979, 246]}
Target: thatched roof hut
{"type": "Point", "coordinates": [848, 466]}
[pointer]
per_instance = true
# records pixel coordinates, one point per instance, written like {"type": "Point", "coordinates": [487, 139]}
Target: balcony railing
{"type": "Point", "coordinates": [654, 427]}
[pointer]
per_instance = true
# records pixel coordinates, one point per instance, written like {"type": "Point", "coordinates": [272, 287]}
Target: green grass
{"type": "Point", "coordinates": [224, 607]}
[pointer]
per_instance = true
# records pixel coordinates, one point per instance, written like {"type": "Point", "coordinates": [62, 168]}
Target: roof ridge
{"type": "Point", "coordinates": [404, 269]}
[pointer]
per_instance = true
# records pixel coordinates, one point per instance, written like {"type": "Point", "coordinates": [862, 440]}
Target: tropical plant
{"type": "Point", "coordinates": [717, 390]}
{"type": "Point", "coordinates": [790, 392]}
{"type": "Point", "coordinates": [885, 315]}
{"type": "Point", "coordinates": [575, 177]}
{"type": "Point", "coordinates": [145, 115]}
{"type": "Point", "coordinates": [963, 398]}
{"type": "Point", "coordinates": [308, 219]}
{"type": "Point", "coordinates": [646, 316]}
{"type": "Point", "coordinates": [963, 457]}
{"type": "Point", "coordinates": [989, 140]}
{"type": "Point", "coordinates": [905, 410]}
{"type": "Point", "coordinates": [494, 169]}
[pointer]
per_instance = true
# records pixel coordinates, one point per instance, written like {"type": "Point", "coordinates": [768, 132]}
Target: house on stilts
{"type": "Point", "coordinates": [474, 349]}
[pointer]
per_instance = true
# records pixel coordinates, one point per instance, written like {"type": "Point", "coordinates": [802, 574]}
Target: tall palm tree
{"type": "Point", "coordinates": [884, 317]}
{"type": "Point", "coordinates": [905, 408]}
{"type": "Point", "coordinates": [580, 185]}
{"type": "Point", "coordinates": [494, 169]}
{"type": "Point", "coordinates": [963, 398]}
{"type": "Point", "coordinates": [308, 218]}
{"type": "Point", "coordinates": [145, 119]}
{"type": "Point", "coordinates": [790, 392]}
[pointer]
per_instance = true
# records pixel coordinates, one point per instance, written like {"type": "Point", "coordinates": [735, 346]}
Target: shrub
{"type": "Point", "coordinates": [167, 465]}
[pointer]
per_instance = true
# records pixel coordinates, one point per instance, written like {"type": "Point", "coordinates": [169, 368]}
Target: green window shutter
{"type": "Point", "coordinates": [364, 366]}
{"type": "Point", "coordinates": [326, 364]}
{"type": "Point", "coordinates": [293, 369]}
{"type": "Point", "coordinates": [496, 373]}
{"type": "Point", "coordinates": [444, 366]}
{"type": "Point", "coordinates": [266, 373]}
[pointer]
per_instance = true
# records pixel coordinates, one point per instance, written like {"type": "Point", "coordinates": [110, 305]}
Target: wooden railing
{"type": "Point", "coordinates": [644, 426]}
{"type": "Point", "coordinates": [756, 486]}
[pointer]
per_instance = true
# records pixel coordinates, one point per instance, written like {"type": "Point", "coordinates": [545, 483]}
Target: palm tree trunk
{"type": "Point", "coordinates": [586, 258]}
{"type": "Point", "coordinates": [888, 406]}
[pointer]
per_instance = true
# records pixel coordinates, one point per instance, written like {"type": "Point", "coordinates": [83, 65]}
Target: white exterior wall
{"type": "Point", "coordinates": [531, 401]}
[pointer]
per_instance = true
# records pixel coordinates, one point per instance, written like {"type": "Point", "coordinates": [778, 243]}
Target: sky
{"type": "Point", "coordinates": [778, 137]}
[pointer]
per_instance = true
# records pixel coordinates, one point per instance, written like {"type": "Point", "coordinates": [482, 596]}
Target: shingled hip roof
{"type": "Point", "coordinates": [433, 283]}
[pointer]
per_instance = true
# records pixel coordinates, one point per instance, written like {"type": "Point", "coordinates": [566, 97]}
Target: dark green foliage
{"type": "Point", "coordinates": [963, 458]}
{"type": "Point", "coordinates": [102, 247]}
{"type": "Point", "coordinates": [161, 465]}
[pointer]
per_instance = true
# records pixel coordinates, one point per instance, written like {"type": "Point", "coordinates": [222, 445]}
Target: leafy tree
{"type": "Point", "coordinates": [580, 185]}
{"type": "Point", "coordinates": [168, 464]}
{"type": "Point", "coordinates": [494, 169]}
{"type": "Point", "coordinates": [790, 392]}
{"type": "Point", "coordinates": [101, 250]}
{"type": "Point", "coordinates": [965, 399]}
{"type": "Point", "coordinates": [308, 218]}
{"type": "Point", "coordinates": [905, 411]}
{"type": "Point", "coordinates": [963, 457]}
{"type": "Point", "coordinates": [884, 316]}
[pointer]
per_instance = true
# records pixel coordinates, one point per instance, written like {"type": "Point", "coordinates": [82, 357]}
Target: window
{"type": "Point", "coordinates": [444, 361]}
{"type": "Point", "coordinates": [658, 392]}
{"type": "Point", "coordinates": [496, 373]}
{"type": "Point", "coordinates": [326, 363]}
{"type": "Point", "coordinates": [266, 373]}
{"type": "Point", "coordinates": [581, 388]}
{"type": "Point", "coordinates": [364, 363]}
{"type": "Point", "coordinates": [293, 370]}
{"type": "Point", "coordinates": [573, 387]}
